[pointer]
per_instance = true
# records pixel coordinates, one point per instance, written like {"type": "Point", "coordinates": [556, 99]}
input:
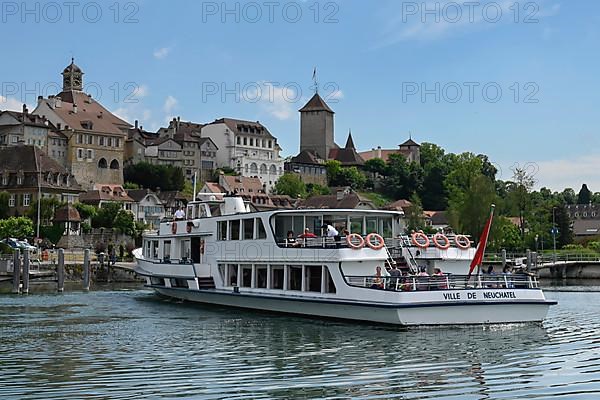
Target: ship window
{"type": "Point", "coordinates": [329, 284]}
{"type": "Point", "coordinates": [262, 233]}
{"type": "Point", "coordinates": [179, 283]}
{"type": "Point", "coordinates": [157, 281]}
{"type": "Point", "coordinates": [246, 275]}
{"type": "Point", "coordinates": [234, 229]}
{"type": "Point", "coordinates": [222, 231]}
{"type": "Point", "coordinates": [371, 224]}
{"type": "Point", "coordinates": [222, 272]}
{"type": "Point", "coordinates": [167, 250]}
{"type": "Point", "coordinates": [313, 278]}
{"type": "Point", "coordinates": [186, 247]}
{"type": "Point", "coordinates": [261, 276]}
{"type": "Point", "coordinates": [155, 249]}
{"type": "Point", "coordinates": [248, 229]}
{"type": "Point", "coordinates": [277, 277]}
{"type": "Point", "coordinates": [295, 277]}
{"type": "Point", "coordinates": [314, 223]}
{"type": "Point", "coordinates": [356, 225]}
{"type": "Point", "coordinates": [232, 275]}
{"type": "Point", "coordinates": [148, 249]}
{"type": "Point", "coordinates": [284, 224]}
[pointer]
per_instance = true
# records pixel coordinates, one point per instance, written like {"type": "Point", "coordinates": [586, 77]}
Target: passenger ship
{"type": "Point", "coordinates": [223, 254]}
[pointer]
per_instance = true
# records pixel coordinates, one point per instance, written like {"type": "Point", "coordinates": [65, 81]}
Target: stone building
{"type": "Point", "coordinates": [96, 137]}
{"type": "Point", "coordinates": [26, 171]}
{"type": "Point", "coordinates": [18, 128]}
{"type": "Point", "coordinates": [180, 144]}
{"type": "Point", "coordinates": [409, 149]}
{"type": "Point", "coordinates": [247, 147]}
{"type": "Point", "coordinates": [147, 207]}
{"type": "Point", "coordinates": [316, 128]}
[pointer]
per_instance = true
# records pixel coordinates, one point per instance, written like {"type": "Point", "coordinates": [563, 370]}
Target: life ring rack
{"type": "Point", "coordinates": [424, 243]}
{"type": "Point", "coordinates": [444, 239]}
{"type": "Point", "coordinates": [355, 241]}
{"type": "Point", "coordinates": [375, 241]}
{"type": "Point", "coordinates": [462, 242]}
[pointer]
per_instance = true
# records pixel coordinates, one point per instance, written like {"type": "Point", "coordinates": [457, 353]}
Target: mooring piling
{"type": "Point", "coordinates": [86, 269]}
{"type": "Point", "coordinates": [16, 271]}
{"type": "Point", "coordinates": [60, 270]}
{"type": "Point", "coordinates": [26, 266]}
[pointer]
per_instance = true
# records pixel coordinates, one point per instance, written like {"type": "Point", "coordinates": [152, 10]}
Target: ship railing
{"type": "Point", "coordinates": [445, 282]}
{"type": "Point", "coordinates": [320, 242]}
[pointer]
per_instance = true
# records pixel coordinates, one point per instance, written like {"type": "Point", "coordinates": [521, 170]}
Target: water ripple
{"type": "Point", "coordinates": [133, 345]}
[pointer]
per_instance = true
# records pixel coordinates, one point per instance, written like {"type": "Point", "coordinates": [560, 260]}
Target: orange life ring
{"type": "Point", "coordinates": [353, 244]}
{"type": "Point", "coordinates": [174, 228]}
{"type": "Point", "coordinates": [378, 238]}
{"type": "Point", "coordinates": [462, 242]}
{"type": "Point", "coordinates": [423, 236]}
{"type": "Point", "coordinates": [436, 241]}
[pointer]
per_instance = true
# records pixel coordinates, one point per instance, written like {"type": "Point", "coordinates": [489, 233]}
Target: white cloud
{"type": "Point", "coordinates": [335, 95]}
{"type": "Point", "coordinates": [8, 103]}
{"type": "Point", "coordinates": [432, 20]}
{"type": "Point", "coordinates": [141, 91]}
{"type": "Point", "coordinates": [560, 174]}
{"type": "Point", "coordinates": [170, 104]}
{"type": "Point", "coordinates": [278, 101]}
{"type": "Point", "coordinates": [161, 53]}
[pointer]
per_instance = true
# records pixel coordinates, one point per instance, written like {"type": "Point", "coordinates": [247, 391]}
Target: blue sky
{"type": "Point", "coordinates": [386, 68]}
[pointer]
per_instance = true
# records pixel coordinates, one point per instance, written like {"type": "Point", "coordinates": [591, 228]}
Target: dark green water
{"type": "Point", "coordinates": [133, 345]}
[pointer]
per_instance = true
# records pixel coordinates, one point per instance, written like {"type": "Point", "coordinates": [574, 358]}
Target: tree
{"type": "Point", "coordinates": [563, 224]}
{"type": "Point", "coordinates": [106, 215]}
{"type": "Point", "coordinates": [568, 196]}
{"type": "Point", "coordinates": [314, 189]}
{"type": "Point", "coordinates": [17, 227]}
{"type": "Point", "coordinates": [48, 207]}
{"type": "Point", "coordinates": [4, 208]}
{"type": "Point", "coordinates": [290, 184]}
{"type": "Point", "coordinates": [585, 195]}
{"type": "Point", "coordinates": [150, 176]}
{"type": "Point", "coordinates": [344, 176]}
{"type": "Point", "coordinates": [523, 183]}
{"type": "Point", "coordinates": [435, 169]}
{"type": "Point", "coordinates": [403, 178]}
{"type": "Point", "coordinates": [86, 211]}
{"type": "Point", "coordinates": [124, 222]}
{"type": "Point", "coordinates": [414, 215]}
{"type": "Point", "coordinates": [376, 166]}
{"type": "Point", "coordinates": [505, 235]}
{"type": "Point", "coordinates": [469, 209]}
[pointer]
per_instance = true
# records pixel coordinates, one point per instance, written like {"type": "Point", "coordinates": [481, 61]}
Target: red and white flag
{"type": "Point", "coordinates": [478, 259]}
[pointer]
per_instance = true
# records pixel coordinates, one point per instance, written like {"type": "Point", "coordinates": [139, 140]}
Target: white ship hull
{"type": "Point", "coordinates": [415, 314]}
{"type": "Point", "coordinates": [244, 260]}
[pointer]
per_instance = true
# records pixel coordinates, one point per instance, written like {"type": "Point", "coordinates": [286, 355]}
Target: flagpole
{"type": "Point", "coordinates": [478, 258]}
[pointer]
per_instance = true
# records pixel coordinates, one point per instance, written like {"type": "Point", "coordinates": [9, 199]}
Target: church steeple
{"type": "Point", "coordinates": [350, 141]}
{"type": "Point", "coordinates": [72, 77]}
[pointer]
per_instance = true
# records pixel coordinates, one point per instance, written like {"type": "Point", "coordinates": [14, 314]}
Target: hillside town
{"type": "Point", "coordinates": [79, 158]}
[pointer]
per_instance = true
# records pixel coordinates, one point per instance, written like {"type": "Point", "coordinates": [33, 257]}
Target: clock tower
{"type": "Point", "coordinates": [72, 77]}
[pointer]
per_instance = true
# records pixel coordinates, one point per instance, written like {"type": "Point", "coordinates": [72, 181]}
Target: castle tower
{"type": "Point", "coordinates": [316, 127]}
{"type": "Point", "coordinates": [72, 77]}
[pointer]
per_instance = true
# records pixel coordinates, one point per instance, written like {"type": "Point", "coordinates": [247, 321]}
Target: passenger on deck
{"type": "Point", "coordinates": [329, 230]}
{"type": "Point", "coordinates": [377, 281]}
{"type": "Point", "coordinates": [395, 273]}
{"type": "Point", "coordinates": [491, 277]}
{"type": "Point", "coordinates": [290, 241]}
{"type": "Point", "coordinates": [179, 214]}
{"type": "Point", "coordinates": [438, 272]}
{"type": "Point", "coordinates": [423, 281]}
{"type": "Point", "coordinates": [307, 234]}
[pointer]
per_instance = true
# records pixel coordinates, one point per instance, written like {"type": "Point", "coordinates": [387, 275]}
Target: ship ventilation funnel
{"type": "Point", "coordinates": [233, 205]}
